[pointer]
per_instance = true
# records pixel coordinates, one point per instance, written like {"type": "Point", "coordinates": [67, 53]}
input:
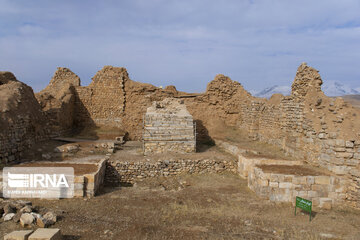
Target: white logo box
{"type": "Point", "coordinates": [38, 182]}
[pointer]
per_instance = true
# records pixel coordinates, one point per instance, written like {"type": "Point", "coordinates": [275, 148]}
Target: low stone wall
{"type": "Point", "coordinates": [246, 164]}
{"type": "Point", "coordinates": [119, 172]}
{"type": "Point", "coordinates": [89, 184]}
{"type": "Point", "coordinates": [94, 181]}
{"type": "Point", "coordinates": [323, 191]}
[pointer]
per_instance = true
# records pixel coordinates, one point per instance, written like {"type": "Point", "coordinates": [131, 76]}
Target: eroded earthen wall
{"type": "Point", "coordinates": [22, 122]}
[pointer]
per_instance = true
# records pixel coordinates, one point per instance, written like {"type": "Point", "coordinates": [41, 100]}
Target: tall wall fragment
{"type": "Point", "coordinates": [22, 121]}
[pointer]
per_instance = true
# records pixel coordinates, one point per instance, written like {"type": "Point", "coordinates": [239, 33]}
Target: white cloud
{"type": "Point", "coordinates": [184, 43]}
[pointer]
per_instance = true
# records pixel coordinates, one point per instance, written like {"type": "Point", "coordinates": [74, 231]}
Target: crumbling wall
{"type": "Point", "coordinates": [113, 100]}
{"type": "Point", "coordinates": [103, 101]}
{"type": "Point", "coordinates": [22, 122]}
{"type": "Point", "coordinates": [168, 127]}
{"type": "Point", "coordinates": [57, 101]}
{"type": "Point", "coordinates": [309, 125]}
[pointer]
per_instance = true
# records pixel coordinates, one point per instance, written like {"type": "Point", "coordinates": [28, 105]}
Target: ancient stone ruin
{"type": "Point", "coordinates": [168, 127]}
{"type": "Point", "coordinates": [322, 132]}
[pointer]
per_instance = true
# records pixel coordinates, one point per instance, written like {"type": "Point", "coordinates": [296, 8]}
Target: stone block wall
{"type": "Point", "coordinates": [323, 191]}
{"type": "Point", "coordinates": [168, 127]}
{"type": "Point", "coordinates": [19, 135]}
{"type": "Point", "coordinates": [311, 126]}
{"type": "Point", "coordinates": [120, 172]}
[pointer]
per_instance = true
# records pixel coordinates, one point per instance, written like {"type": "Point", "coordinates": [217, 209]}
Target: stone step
{"type": "Point", "coordinates": [18, 235]}
{"type": "Point", "coordinates": [46, 234]}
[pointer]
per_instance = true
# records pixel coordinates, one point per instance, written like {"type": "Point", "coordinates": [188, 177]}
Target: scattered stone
{"type": "Point", "coordinates": [48, 219]}
{"type": "Point", "coordinates": [17, 216]}
{"type": "Point", "coordinates": [247, 223]}
{"type": "Point", "coordinates": [21, 203]}
{"type": "Point", "coordinates": [72, 148]}
{"type": "Point", "coordinates": [36, 215]}
{"type": "Point", "coordinates": [46, 156]}
{"type": "Point", "coordinates": [26, 209]}
{"type": "Point", "coordinates": [327, 235]}
{"type": "Point", "coordinates": [26, 219]}
{"type": "Point", "coordinates": [8, 217]}
{"type": "Point", "coordinates": [8, 208]}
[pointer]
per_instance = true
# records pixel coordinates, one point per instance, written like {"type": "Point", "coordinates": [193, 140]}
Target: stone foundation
{"type": "Point", "coordinates": [323, 191]}
{"type": "Point", "coordinates": [118, 172]}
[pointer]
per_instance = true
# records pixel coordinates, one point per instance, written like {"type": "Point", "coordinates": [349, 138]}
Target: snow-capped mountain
{"type": "Point", "coordinates": [333, 89]}
{"type": "Point", "coordinates": [330, 88]}
{"type": "Point", "coordinates": [269, 91]}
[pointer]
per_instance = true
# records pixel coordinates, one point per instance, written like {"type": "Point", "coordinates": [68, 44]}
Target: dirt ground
{"type": "Point", "coordinates": [256, 149]}
{"type": "Point", "coordinates": [353, 100]}
{"type": "Point", "coordinates": [292, 170]}
{"type": "Point", "coordinates": [132, 152]}
{"type": "Point", "coordinates": [79, 169]}
{"type": "Point", "coordinates": [210, 206]}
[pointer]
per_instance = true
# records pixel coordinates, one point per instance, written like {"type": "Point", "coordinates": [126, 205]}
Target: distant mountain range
{"type": "Point", "coordinates": [331, 89]}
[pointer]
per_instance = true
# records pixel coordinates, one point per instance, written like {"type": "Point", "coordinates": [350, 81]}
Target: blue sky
{"type": "Point", "coordinates": [182, 43]}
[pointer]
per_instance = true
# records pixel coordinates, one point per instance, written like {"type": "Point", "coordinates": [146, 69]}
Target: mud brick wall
{"type": "Point", "coordinates": [22, 123]}
{"type": "Point", "coordinates": [119, 172]}
{"type": "Point", "coordinates": [103, 101]}
{"type": "Point", "coordinates": [167, 130]}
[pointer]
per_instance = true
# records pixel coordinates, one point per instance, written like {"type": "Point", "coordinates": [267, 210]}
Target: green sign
{"type": "Point", "coordinates": [304, 204]}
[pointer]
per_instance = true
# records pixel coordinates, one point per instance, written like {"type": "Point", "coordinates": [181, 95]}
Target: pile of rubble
{"type": "Point", "coordinates": [26, 214]}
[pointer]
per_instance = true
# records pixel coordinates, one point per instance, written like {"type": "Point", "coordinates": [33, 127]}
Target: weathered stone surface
{"type": "Point", "coordinates": [322, 180]}
{"type": "Point", "coordinates": [48, 219]}
{"type": "Point", "coordinates": [26, 209]}
{"type": "Point", "coordinates": [168, 127]}
{"type": "Point", "coordinates": [285, 185]}
{"type": "Point", "coordinates": [325, 203]}
{"type": "Point", "coordinates": [18, 235]}
{"type": "Point", "coordinates": [9, 208]}
{"type": "Point", "coordinates": [8, 217]}
{"type": "Point", "coordinates": [26, 219]}
{"type": "Point", "coordinates": [46, 234]}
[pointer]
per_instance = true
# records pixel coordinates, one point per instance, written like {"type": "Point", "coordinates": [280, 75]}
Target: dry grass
{"type": "Point", "coordinates": [211, 206]}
